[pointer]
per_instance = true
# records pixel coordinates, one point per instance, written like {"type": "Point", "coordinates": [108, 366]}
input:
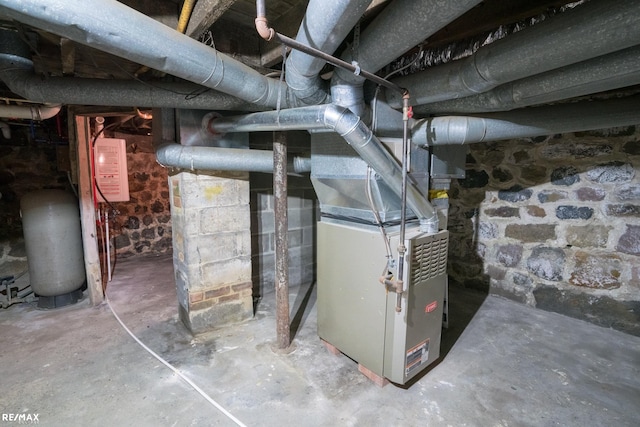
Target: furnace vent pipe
{"type": "Point", "coordinates": [527, 122]}
{"type": "Point", "coordinates": [349, 126]}
{"type": "Point", "coordinates": [171, 154]}
{"type": "Point", "coordinates": [112, 27]}
{"type": "Point", "coordinates": [324, 27]}
{"type": "Point", "coordinates": [607, 72]}
{"type": "Point", "coordinates": [593, 29]}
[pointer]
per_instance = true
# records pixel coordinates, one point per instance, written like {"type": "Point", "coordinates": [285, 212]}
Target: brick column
{"type": "Point", "coordinates": [211, 248]}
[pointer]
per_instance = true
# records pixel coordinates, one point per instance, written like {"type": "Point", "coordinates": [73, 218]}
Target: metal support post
{"type": "Point", "coordinates": [282, 242]}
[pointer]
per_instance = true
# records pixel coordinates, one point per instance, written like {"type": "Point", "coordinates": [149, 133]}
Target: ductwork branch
{"type": "Point", "coordinates": [172, 154]}
{"type": "Point", "coordinates": [346, 124]}
{"type": "Point", "coordinates": [527, 122]}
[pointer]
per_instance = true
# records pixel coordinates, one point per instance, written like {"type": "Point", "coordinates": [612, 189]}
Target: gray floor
{"type": "Point", "coordinates": [504, 365]}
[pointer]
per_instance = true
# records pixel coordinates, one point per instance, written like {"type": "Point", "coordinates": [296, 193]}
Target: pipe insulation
{"type": "Point", "coordinates": [593, 29]}
{"type": "Point", "coordinates": [527, 122]}
{"type": "Point", "coordinates": [112, 27]}
{"type": "Point", "coordinates": [349, 126]}
{"type": "Point", "coordinates": [324, 27]}
{"type": "Point", "coordinates": [171, 154]}
{"type": "Point", "coordinates": [613, 71]}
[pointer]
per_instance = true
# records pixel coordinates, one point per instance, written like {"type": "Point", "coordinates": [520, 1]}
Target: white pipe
{"type": "Point", "coordinates": [33, 112]}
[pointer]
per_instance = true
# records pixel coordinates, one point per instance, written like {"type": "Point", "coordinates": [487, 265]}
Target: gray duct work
{"type": "Point", "coordinates": [398, 28]}
{"type": "Point", "coordinates": [324, 27]}
{"type": "Point", "coordinates": [593, 29]}
{"type": "Point", "coordinates": [117, 29]}
{"type": "Point", "coordinates": [527, 122]}
{"type": "Point", "coordinates": [175, 155]}
{"type": "Point", "coordinates": [348, 126]}
{"type": "Point", "coordinates": [607, 72]}
{"type": "Point", "coordinates": [16, 71]}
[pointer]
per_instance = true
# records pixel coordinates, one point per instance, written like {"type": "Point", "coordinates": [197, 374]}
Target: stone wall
{"type": "Point", "coordinates": [554, 222]}
{"type": "Point", "coordinates": [303, 215]}
{"type": "Point", "coordinates": [143, 225]}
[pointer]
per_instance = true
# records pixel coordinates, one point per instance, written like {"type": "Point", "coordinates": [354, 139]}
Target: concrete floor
{"type": "Point", "coordinates": [504, 365]}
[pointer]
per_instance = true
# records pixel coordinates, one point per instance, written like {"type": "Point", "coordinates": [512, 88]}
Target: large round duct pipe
{"type": "Point", "coordinates": [527, 122]}
{"type": "Point", "coordinates": [171, 154]}
{"type": "Point", "coordinates": [593, 29]}
{"type": "Point", "coordinates": [616, 70]}
{"type": "Point", "coordinates": [324, 27]}
{"type": "Point", "coordinates": [345, 123]}
{"type": "Point", "coordinates": [112, 27]}
{"type": "Point", "coordinates": [399, 27]}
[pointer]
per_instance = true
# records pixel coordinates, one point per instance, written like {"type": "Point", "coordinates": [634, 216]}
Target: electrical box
{"type": "Point", "coordinates": [112, 179]}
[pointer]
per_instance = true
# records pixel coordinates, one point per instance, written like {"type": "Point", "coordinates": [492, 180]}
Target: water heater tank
{"type": "Point", "coordinates": [53, 242]}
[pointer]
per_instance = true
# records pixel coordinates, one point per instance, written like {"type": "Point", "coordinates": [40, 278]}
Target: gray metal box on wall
{"type": "Point", "coordinates": [357, 315]}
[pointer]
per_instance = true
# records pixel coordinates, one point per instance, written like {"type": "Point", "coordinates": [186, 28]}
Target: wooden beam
{"type": "Point", "coordinates": [68, 56]}
{"type": "Point", "coordinates": [205, 14]}
{"type": "Point", "coordinates": [82, 133]}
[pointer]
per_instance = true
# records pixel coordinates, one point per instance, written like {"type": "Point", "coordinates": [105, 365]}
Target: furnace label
{"type": "Point", "coordinates": [416, 356]}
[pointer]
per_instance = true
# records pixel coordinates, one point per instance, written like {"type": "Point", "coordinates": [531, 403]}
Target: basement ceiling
{"type": "Point", "coordinates": [228, 25]}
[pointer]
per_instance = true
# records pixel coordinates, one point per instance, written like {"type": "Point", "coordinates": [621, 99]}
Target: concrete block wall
{"type": "Point", "coordinates": [303, 214]}
{"type": "Point", "coordinates": [211, 248]}
{"type": "Point", "coordinates": [554, 223]}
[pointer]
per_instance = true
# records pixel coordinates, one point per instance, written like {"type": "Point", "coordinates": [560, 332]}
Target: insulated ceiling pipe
{"type": "Point", "coordinates": [607, 72]}
{"type": "Point", "coordinates": [592, 29]}
{"type": "Point", "coordinates": [399, 27]}
{"type": "Point", "coordinates": [349, 126]}
{"type": "Point", "coordinates": [528, 122]}
{"type": "Point", "coordinates": [112, 27]}
{"type": "Point", "coordinates": [324, 27]}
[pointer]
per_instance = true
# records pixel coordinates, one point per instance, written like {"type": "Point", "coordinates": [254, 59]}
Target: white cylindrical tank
{"type": "Point", "coordinates": [53, 242]}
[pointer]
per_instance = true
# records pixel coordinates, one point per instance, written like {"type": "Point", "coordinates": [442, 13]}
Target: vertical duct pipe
{"type": "Point", "coordinates": [283, 333]}
{"type": "Point", "coordinates": [324, 27]}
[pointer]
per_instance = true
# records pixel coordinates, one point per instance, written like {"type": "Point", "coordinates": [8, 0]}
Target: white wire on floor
{"type": "Point", "coordinates": [175, 371]}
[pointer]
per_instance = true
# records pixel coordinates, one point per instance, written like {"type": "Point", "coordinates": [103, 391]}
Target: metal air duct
{"type": "Point", "coordinates": [398, 28]}
{"type": "Point", "coordinates": [527, 122]}
{"type": "Point", "coordinates": [349, 127]}
{"type": "Point", "coordinates": [112, 27]}
{"type": "Point", "coordinates": [324, 27]}
{"type": "Point", "coordinates": [607, 72]}
{"type": "Point", "coordinates": [593, 29]}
